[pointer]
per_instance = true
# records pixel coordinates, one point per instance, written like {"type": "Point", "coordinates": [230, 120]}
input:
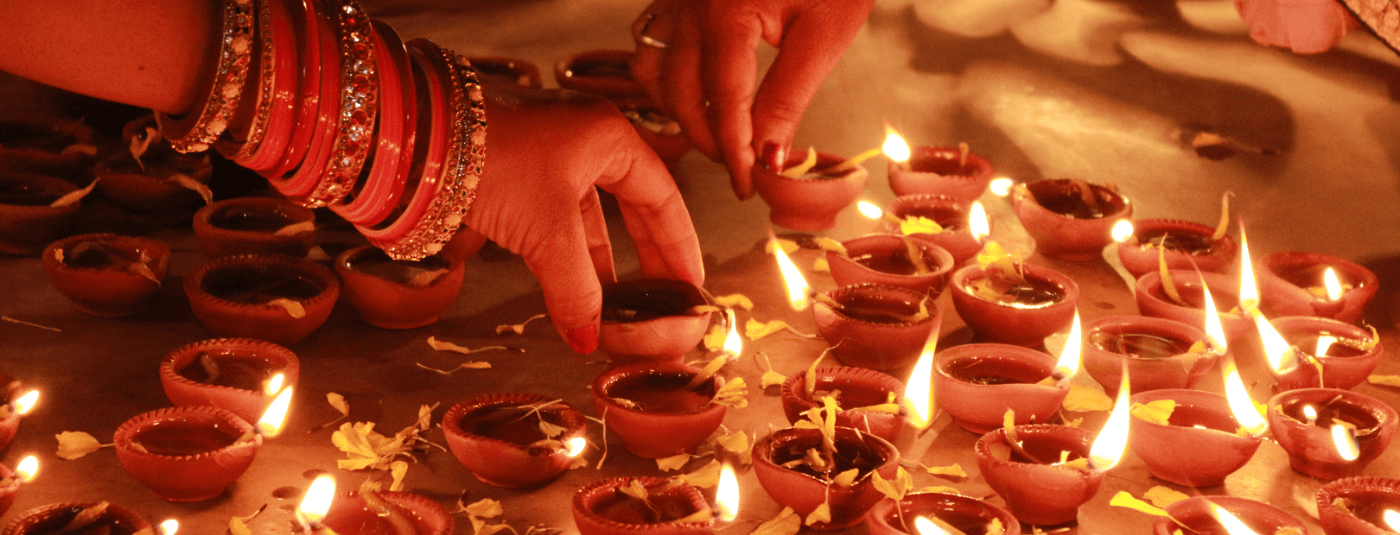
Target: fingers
{"type": "Point", "coordinates": [683, 93]}
{"type": "Point", "coordinates": [655, 215]}
{"type": "Point", "coordinates": [595, 229]}
{"type": "Point", "coordinates": [559, 257]}
{"type": "Point", "coordinates": [728, 68]}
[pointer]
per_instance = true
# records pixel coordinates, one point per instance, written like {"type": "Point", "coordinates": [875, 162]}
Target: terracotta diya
{"type": "Point", "coordinates": [955, 235]}
{"type": "Point", "coordinates": [357, 513]}
{"type": "Point", "coordinates": [275, 298]}
{"type": "Point", "coordinates": [893, 260]}
{"type": "Point", "coordinates": [1043, 489]}
{"type": "Point", "coordinates": [804, 488]}
{"type": "Point", "coordinates": [1348, 354]}
{"type": "Point", "coordinates": [652, 319]}
{"type": "Point", "coordinates": [99, 517]}
{"type": "Point", "coordinates": [28, 219]}
{"type": "Point", "coordinates": [1187, 246]}
{"type": "Point", "coordinates": [865, 397]}
{"type": "Point", "coordinates": [1020, 312]}
{"type": "Point", "coordinates": [978, 383]}
{"type": "Point", "coordinates": [876, 326]}
{"type": "Point", "coordinates": [966, 514]}
{"type": "Point", "coordinates": [1198, 445]}
{"type": "Point", "coordinates": [398, 294]}
{"type": "Point", "coordinates": [810, 201]}
{"type": "Point", "coordinates": [941, 171]}
{"type": "Point", "coordinates": [601, 72]}
{"type": "Point", "coordinates": [514, 440]}
{"type": "Point", "coordinates": [249, 225]}
{"type": "Point", "coordinates": [1153, 299]}
{"type": "Point", "coordinates": [1292, 283]}
{"type": "Point", "coordinates": [1359, 506]}
{"type": "Point", "coordinates": [1070, 219]}
{"type": "Point", "coordinates": [506, 71]}
{"type": "Point", "coordinates": [149, 175]}
{"type": "Point", "coordinates": [1156, 352]}
{"type": "Point", "coordinates": [233, 374]}
{"type": "Point", "coordinates": [186, 454]}
{"type": "Point", "coordinates": [652, 408]}
{"type": "Point", "coordinates": [107, 275]}
{"type": "Point", "coordinates": [51, 146]}
{"type": "Point", "coordinates": [1330, 433]}
{"type": "Point", "coordinates": [1199, 514]}
{"type": "Point", "coordinates": [668, 507]}
{"type": "Point", "coordinates": [663, 134]}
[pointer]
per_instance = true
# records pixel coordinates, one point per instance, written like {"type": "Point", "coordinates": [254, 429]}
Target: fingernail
{"type": "Point", "coordinates": [584, 340]}
{"type": "Point", "coordinates": [773, 156]}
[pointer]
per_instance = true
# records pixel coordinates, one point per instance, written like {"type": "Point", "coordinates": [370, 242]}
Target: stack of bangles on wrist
{"type": "Point", "coordinates": [335, 110]}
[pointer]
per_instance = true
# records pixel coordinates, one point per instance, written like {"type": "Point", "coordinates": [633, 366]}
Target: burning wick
{"type": "Point", "coordinates": [1001, 186]}
{"type": "Point", "coordinates": [924, 526]}
{"type": "Point", "coordinates": [1310, 414]}
{"type": "Point", "coordinates": [24, 471]}
{"type": "Point", "coordinates": [1122, 230]}
{"type": "Point", "coordinates": [576, 446]}
{"type": "Point", "coordinates": [1069, 361]}
{"type": "Point", "coordinates": [727, 495]}
{"type": "Point", "coordinates": [274, 384]}
{"type": "Point", "coordinates": [1392, 520]}
{"type": "Point", "coordinates": [797, 287]}
{"type": "Point", "coordinates": [895, 148]}
{"type": "Point", "coordinates": [25, 403]}
{"type": "Point", "coordinates": [1345, 441]}
{"type": "Point", "coordinates": [874, 212]}
{"type": "Point", "coordinates": [1324, 343]}
{"type": "Point", "coordinates": [1232, 524]}
{"type": "Point", "coordinates": [276, 414]}
{"type": "Point", "coordinates": [1331, 284]}
{"type": "Point", "coordinates": [314, 505]}
{"type": "Point", "coordinates": [977, 223]}
{"type": "Point", "coordinates": [169, 527]}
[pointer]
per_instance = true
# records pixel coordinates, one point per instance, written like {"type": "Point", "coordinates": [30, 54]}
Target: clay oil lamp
{"type": "Point", "coordinates": [1013, 302]}
{"type": "Point", "coordinates": [937, 219]}
{"type": "Point", "coordinates": [148, 174]}
{"type": "Point", "coordinates": [18, 402]}
{"type": "Point", "coordinates": [1359, 506]}
{"type": "Point", "coordinates": [1343, 353]}
{"type": "Point", "coordinates": [803, 468]}
{"type": "Point", "coordinates": [892, 260]}
{"type": "Point", "coordinates": [657, 319]}
{"type": "Point", "coordinates": [35, 210]}
{"type": "Point", "coordinates": [193, 453]}
{"type": "Point", "coordinates": [240, 375]}
{"type": "Point", "coordinates": [398, 294]}
{"type": "Point", "coordinates": [657, 408]}
{"type": "Point", "coordinates": [321, 512]}
{"type": "Point", "coordinates": [275, 298]}
{"type": "Point", "coordinates": [11, 480]}
{"type": "Point", "coordinates": [1070, 219]}
{"type": "Point", "coordinates": [1045, 472]}
{"type": "Point", "coordinates": [1158, 353]}
{"type": "Point", "coordinates": [952, 171]}
{"type": "Point", "coordinates": [869, 400]}
{"type": "Point", "coordinates": [107, 275]}
{"type": "Point", "coordinates": [978, 383]}
{"type": "Point", "coordinates": [1295, 283]}
{"type": "Point", "coordinates": [1182, 298]}
{"type": "Point", "coordinates": [810, 189]}
{"type": "Point", "coordinates": [876, 326]}
{"type": "Point", "coordinates": [515, 440]}
{"type": "Point", "coordinates": [79, 519]}
{"type": "Point", "coordinates": [663, 134]}
{"type": "Point", "coordinates": [506, 71]}
{"type": "Point", "coordinates": [969, 516]}
{"type": "Point", "coordinates": [642, 505]}
{"type": "Point", "coordinates": [248, 225]}
{"type": "Point", "coordinates": [1225, 515]}
{"type": "Point", "coordinates": [46, 145]}
{"type": "Point", "coordinates": [1180, 242]}
{"type": "Point", "coordinates": [601, 72]}
{"type": "Point", "coordinates": [1330, 433]}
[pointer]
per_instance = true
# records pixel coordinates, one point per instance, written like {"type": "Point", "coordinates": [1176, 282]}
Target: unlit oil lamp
{"type": "Point", "coordinates": [35, 210]}
{"type": "Point", "coordinates": [515, 440]}
{"type": "Point", "coordinates": [1070, 219]}
{"type": "Point", "coordinates": [892, 260]}
{"type": "Point", "coordinates": [1359, 506]}
{"type": "Point", "coordinates": [1295, 283]}
{"type": "Point", "coordinates": [978, 383]}
{"type": "Point", "coordinates": [398, 294]}
{"type": "Point", "coordinates": [810, 189]}
{"type": "Point", "coordinates": [869, 400]}
{"type": "Point", "coordinates": [1045, 472]}
{"type": "Point", "coordinates": [937, 219]}
{"type": "Point", "coordinates": [1225, 515]}
{"type": "Point", "coordinates": [275, 298]}
{"type": "Point", "coordinates": [107, 275]}
{"type": "Point", "coordinates": [1180, 296]}
{"type": "Point", "coordinates": [1158, 353]}
{"type": "Point", "coordinates": [1010, 301]}
{"type": "Point", "coordinates": [953, 171]}
{"type": "Point", "coordinates": [254, 225]}
{"type": "Point", "coordinates": [240, 375]}
{"type": "Point", "coordinates": [803, 469]}
{"type": "Point", "coordinates": [1180, 244]}
{"type": "Point", "coordinates": [650, 506]}
{"type": "Point", "coordinates": [100, 517]}
{"type": "Point", "coordinates": [655, 408]}
{"type": "Point", "coordinates": [657, 319]}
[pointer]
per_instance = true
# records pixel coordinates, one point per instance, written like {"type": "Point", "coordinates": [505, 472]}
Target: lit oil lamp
{"type": "Point", "coordinates": [35, 210]}
{"type": "Point", "coordinates": [892, 260]}
{"type": "Point", "coordinates": [169, 526]}
{"type": "Point", "coordinates": [1295, 283]}
{"type": "Point", "coordinates": [1155, 298]}
{"type": "Point", "coordinates": [804, 468]}
{"type": "Point", "coordinates": [321, 512]}
{"type": "Point", "coordinates": [1342, 353]}
{"type": "Point", "coordinates": [1010, 301]}
{"type": "Point", "coordinates": [937, 219]}
{"type": "Point", "coordinates": [275, 298]}
{"type": "Point", "coordinates": [1225, 515]}
{"type": "Point", "coordinates": [193, 453]}
{"type": "Point", "coordinates": [254, 225]}
{"type": "Point", "coordinates": [654, 408]}
{"type": "Point", "coordinates": [1070, 219]}
{"type": "Point", "coordinates": [240, 375]}
{"type": "Point", "coordinates": [978, 383]}
{"type": "Point", "coordinates": [876, 326]}
{"type": "Point", "coordinates": [969, 516]}
{"type": "Point", "coordinates": [1330, 433]}
{"type": "Point", "coordinates": [11, 480]}
{"type": "Point", "coordinates": [1045, 472]}
{"type": "Point", "coordinates": [644, 506]}
{"type": "Point", "coordinates": [1180, 244]}
{"type": "Point", "coordinates": [657, 319]}
{"type": "Point", "coordinates": [18, 403]}
{"type": "Point", "coordinates": [1359, 506]}
{"type": "Point", "coordinates": [869, 400]}
{"type": "Point", "coordinates": [952, 171]}
{"type": "Point", "coordinates": [398, 294]}
{"type": "Point", "coordinates": [107, 275]}
{"type": "Point", "coordinates": [515, 440]}
{"type": "Point", "coordinates": [810, 189]}
{"type": "Point", "coordinates": [1158, 353]}
{"type": "Point", "coordinates": [99, 517]}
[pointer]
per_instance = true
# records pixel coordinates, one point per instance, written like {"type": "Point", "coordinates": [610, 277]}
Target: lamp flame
{"type": "Point", "coordinates": [869, 210]}
{"type": "Point", "coordinates": [1392, 520]}
{"type": "Point", "coordinates": [727, 495]}
{"type": "Point", "coordinates": [1282, 357]}
{"type": "Point", "coordinates": [1068, 364]}
{"type": "Point", "coordinates": [1112, 441]}
{"type": "Point", "coordinates": [1332, 284]}
{"type": "Point", "coordinates": [1232, 524]}
{"type": "Point", "coordinates": [1122, 230]}
{"type": "Point", "coordinates": [1309, 414]}
{"type": "Point", "coordinates": [926, 527]}
{"type": "Point", "coordinates": [796, 285]}
{"type": "Point", "coordinates": [895, 148]}
{"type": "Point", "coordinates": [576, 446]}
{"type": "Point", "coordinates": [1246, 414]}
{"type": "Point", "coordinates": [1345, 440]}
{"type": "Point", "coordinates": [918, 390]}
{"type": "Point", "coordinates": [169, 527]}
{"type": "Point", "coordinates": [1215, 330]}
{"type": "Point", "coordinates": [1001, 186]}
{"type": "Point", "coordinates": [318, 499]}
{"type": "Point", "coordinates": [1249, 288]}
{"type": "Point", "coordinates": [276, 414]}
{"type": "Point", "coordinates": [274, 384]}
{"type": "Point", "coordinates": [1324, 343]}
{"type": "Point", "coordinates": [27, 468]}
{"type": "Point", "coordinates": [733, 344]}
{"type": "Point", "coordinates": [26, 402]}
{"type": "Point", "coordinates": [977, 221]}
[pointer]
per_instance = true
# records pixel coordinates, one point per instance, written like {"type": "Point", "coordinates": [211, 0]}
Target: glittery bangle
{"type": "Point", "coordinates": [298, 181]}
{"type": "Point", "coordinates": [194, 132]}
{"type": "Point", "coordinates": [310, 53]}
{"type": "Point", "coordinates": [384, 181]}
{"type": "Point", "coordinates": [359, 94]}
{"type": "Point", "coordinates": [275, 110]}
{"type": "Point", "coordinates": [249, 121]}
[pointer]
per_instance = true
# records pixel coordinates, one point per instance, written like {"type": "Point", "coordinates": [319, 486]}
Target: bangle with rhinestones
{"type": "Point", "coordinates": [267, 111]}
{"type": "Point", "coordinates": [382, 184]}
{"type": "Point", "coordinates": [359, 91]}
{"type": "Point", "coordinates": [195, 131]}
{"type": "Point", "coordinates": [310, 54]}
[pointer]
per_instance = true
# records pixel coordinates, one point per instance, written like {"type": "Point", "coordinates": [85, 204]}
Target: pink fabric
{"type": "Point", "coordinates": [1306, 26]}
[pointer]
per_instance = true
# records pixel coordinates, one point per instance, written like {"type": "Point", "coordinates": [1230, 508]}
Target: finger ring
{"type": "Point", "coordinates": [640, 35]}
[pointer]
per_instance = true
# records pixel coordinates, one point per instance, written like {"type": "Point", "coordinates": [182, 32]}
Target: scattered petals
{"type": "Point", "coordinates": [714, 340]}
{"type": "Point", "coordinates": [296, 228]}
{"type": "Point", "coordinates": [1083, 398]}
{"type": "Point", "coordinates": [1126, 500]}
{"type": "Point", "coordinates": [236, 526]}
{"type": "Point", "coordinates": [919, 225]}
{"type": "Point", "coordinates": [397, 470]}
{"type": "Point", "coordinates": [828, 244]}
{"type": "Point", "coordinates": [1162, 496]}
{"type": "Point", "coordinates": [74, 196]}
{"type": "Point", "coordinates": [194, 185]}
{"type": "Point", "coordinates": [770, 377]}
{"type": "Point", "coordinates": [755, 329]}
{"type": "Point", "coordinates": [704, 477]}
{"type": "Point", "coordinates": [1385, 380]}
{"type": "Point", "coordinates": [292, 306]}
{"type": "Point", "coordinates": [482, 365]}
{"type": "Point", "coordinates": [787, 245]}
{"type": "Point", "coordinates": [738, 300]}
{"type": "Point", "coordinates": [954, 470]}
{"type": "Point", "coordinates": [786, 523]}
{"type": "Point", "coordinates": [518, 328]}
{"type": "Point", "coordinates": [434, 343]}
{"type": "Point", "coordinates": [338, 401]}
{"type": "Point", "coordinates": [28, 324]}
{"type": "Point", "coordinates": [76, 444]}
{"type": "Point", "coordinates": [846, 478]}
{"type": "Point", "coordinates": [672, 463]}
{"type": "Point", "coordinates": [821, 514]}
{"type": "Point", "coordinates": [1157, 412]}
{"type": "Point", "coordinates": [732, 393]}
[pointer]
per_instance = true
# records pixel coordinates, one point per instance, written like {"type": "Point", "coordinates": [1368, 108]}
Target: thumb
{"type": "Point", "coordinates": [572, 292]}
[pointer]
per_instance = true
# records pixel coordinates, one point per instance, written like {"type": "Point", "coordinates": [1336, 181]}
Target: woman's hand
{"type": "Point", "coordinates": [1306, 26]}
{"type": "Point", "coordinates": [545, 152]}
{"type": "Point", "coordinates": [696, 58]}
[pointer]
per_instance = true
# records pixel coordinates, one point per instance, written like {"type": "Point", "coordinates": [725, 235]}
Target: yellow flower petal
{"type": "Point", "coordinates": [1083, 398]}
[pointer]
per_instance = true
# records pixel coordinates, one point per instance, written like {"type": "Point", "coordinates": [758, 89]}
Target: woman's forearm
{"type": "Point", "coordinates": [149, 53]}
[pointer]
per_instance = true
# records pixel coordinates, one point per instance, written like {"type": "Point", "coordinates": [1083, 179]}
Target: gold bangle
{"type": "Point", "coordinates": [194, 132]}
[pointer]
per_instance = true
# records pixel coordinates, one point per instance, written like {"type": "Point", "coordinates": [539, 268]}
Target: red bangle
{"type": "Point", "coordinates": [195, 131]}
{"type": "Point", "coordinates": [278, 89]}
{"type": "Point", "coordinates": [305, 173]}
{"type": "Point", "coordinates": [398, 121]}
{"type": "Point", "coordinates": [353, 132]}
{"type": "Point", "coordinates": [309, 54]}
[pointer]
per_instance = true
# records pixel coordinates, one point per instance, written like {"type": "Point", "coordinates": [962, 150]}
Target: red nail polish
{"type": "Point", "coordinates": [773, 156]}
{"type": "Point", "coordinates": [584, 340]}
